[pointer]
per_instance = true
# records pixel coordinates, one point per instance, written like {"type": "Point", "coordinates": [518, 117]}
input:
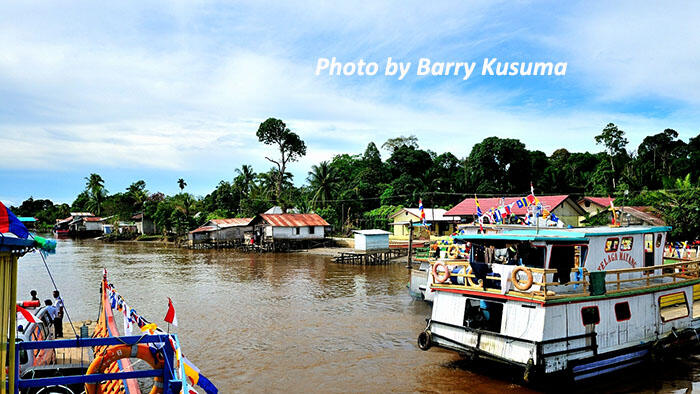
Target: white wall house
{"type": "Point", "coordinates": [291, 226]}
{"type": "Point", "coordinates": [371, 239]}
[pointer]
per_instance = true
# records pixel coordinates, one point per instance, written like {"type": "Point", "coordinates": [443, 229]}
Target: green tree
{"type": "Point", "coordinates": [614, 141]}
{"type": "Point", "coordinates": [96, 192]}
{"type": "Point", "coordinates": [500, 165]}
{"type": "Point", "coordinates": [138, 193]}
{"type": "Point", "coordinates": [324, 182]}
{"type": "Point", "coordinates": [291, 147]}
{"type": "Point", "coordinates": [392, 144]}
{"type": "Point", "coordinates": [181, 184]}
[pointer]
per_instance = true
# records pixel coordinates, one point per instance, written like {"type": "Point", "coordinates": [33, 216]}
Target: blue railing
{"type": "Point", "coordinates": [171, 384]}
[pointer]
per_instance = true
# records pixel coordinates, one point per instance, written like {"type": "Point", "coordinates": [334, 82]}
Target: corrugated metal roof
{"type": "Point", "coordinates": [371, 232]}
{"type": "Point", "coordinates": [231, 222]}
{"type": "Point", "coordinates": [203, 229]}
{"type": "Point", "coordinates": [646, 214]}
{"type": "Point", "coordinates": [602, 201]}
{"type": "Point", "coordinates": [468, 206]}
{"type": "Point", "coordinates": [294, 220]}
{"type": "Point", "coordinates": [92, 219]}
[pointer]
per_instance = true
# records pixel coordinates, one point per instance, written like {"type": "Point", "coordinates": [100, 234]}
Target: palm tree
{"type": "Point", "coordinates": [96, 192]}
{"type": "Point", "coordinates": [324, 182]}
{"type": "Point", "coordinates": [245, 177]}
{"type": "Point", "coordinates": [181, 183]}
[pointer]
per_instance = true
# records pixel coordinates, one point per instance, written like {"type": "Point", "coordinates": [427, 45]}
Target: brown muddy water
{"type": "Point", "coordinates": [294, 322]}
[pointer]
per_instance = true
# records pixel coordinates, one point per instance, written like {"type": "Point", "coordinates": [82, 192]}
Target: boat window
{"type": "Point", "coordinates": [658, 240]}
{"type": "Point", "coordinates": [626, 243]}
{"type": "Point", "coordinates": [696, 301]}
{"type": "Point", "coordinates": [590, 315]}
{"type": "Point", "coordinates": [648, 243]}
{"type": "Point", "coordinates": [611, 244]}
{"type": "Point", "coordinates": [673, 306]}
{"type": "Point", "coordinates": [622, 311]}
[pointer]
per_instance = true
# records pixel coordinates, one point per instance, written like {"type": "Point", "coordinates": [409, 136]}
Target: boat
{"type": "Point", "coordinates": [575, 303]}
{"type": "Point", "coordinates": [107, 367]}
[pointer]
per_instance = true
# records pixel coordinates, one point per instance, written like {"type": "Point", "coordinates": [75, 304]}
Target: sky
{"type": "Point", "coordinates": [166, 90]}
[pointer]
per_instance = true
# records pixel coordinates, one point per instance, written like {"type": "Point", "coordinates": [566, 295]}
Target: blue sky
{"type": "Point", "coordinates": [163, 90]}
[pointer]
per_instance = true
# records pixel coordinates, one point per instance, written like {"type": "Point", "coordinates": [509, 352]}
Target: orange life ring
{"type": "Point", "coordinates": [517, 283]}
{"type": "Point", "coordinates": [453, 251]}
{"type": "Point", "coordinates": [441, 278]}
{"type": "Point", "coordinates": [118, 352]}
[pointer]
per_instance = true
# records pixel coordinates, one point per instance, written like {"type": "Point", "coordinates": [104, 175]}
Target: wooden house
{"type": "Point", "coordinates": [594, 205]}
{"type": "Point", "coordinates": [221, 230]}
{"type": "Point", "coordinates": [435, 217]}
{"type": "Point", "coordinates": [289, 227]}
{"type": "Point", "coordinates": [144, 225]}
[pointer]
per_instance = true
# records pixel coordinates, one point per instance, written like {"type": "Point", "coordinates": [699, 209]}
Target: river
{"type": "Point", "coordinates": [291, 322]}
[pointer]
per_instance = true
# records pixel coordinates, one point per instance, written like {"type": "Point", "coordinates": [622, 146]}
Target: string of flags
{"type": "Point", "coordinates": [131, 318]}
{"type": "Point", "coordinates": [504, 211]}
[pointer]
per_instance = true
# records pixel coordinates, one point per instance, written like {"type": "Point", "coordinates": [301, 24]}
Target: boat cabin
{"type": "Point", "coordinates": [563, 300]}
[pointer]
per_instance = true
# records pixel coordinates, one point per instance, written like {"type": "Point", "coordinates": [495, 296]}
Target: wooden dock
{"type": "Point", "coordinates": [370, 258]}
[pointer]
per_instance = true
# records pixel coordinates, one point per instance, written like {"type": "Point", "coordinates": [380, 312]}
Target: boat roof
{"type": "Point", "coordinates": [10, 242]}
{"type": "Point", "coordinates": [569, 235]}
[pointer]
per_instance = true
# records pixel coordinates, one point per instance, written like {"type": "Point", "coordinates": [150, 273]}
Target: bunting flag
{"type": "Point", "coordinates": [127, 320]}
{"type": "Point", "coordinates": [170, 316]}
{"type": "Point", "coordinates": [478, 207]}
{"type": "Point", "coordinates": [28, 316]}
{"type": "Point", "coordinates": [10, 224]}
{"type": "Point", "coordinates": [422, 211]}
{"type": "Point", "coordinates": [195, 377]}
{"type": "Point", "coordinates": [553, 218]}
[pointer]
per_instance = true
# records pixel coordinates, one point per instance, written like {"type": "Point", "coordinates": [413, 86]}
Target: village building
{"type": "Point", "coordinates": [144, 225]}
{"type": "Point", "coordinates": [29, 222]}
{"type": "Point", "coordinates": [593, 205]}
{"type": "Point", "coordinates": [371, 240]}
{"type": "Point", "coordinates": [289, 230]}
{"type": "Point", "coordinates": [563, 206]}
{"type": "Point", "coordinates": [86, 225]}
{"type": "Point", "coordinates": [438, 223]}
{"type": "Point", "coordinates": [634, 216]}
{"type": "Point", "coordinates": [221, 230]}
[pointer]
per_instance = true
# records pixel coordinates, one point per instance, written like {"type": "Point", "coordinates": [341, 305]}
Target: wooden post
{"type": "Point", "coordinates": [410, 244]}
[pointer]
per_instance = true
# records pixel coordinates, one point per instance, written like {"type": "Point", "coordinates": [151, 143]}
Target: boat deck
{"type": "Point", "coordinates": [545, 288]}
{"type": "Point", "coordinates": [75, 355]}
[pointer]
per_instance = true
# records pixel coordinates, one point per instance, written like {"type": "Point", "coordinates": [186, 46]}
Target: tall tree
{"type": "Point", "coordinates": [96, 192]}
{"type": "Point", "coordinates": [392, 144]}
{"type": "Point", "coordinates": [138, 193]}
{"type": "Point", "coordinates": [275, 132]}
{"type": "Point", "coordinates": [181, 183]}
{"type": "Point", "coordinates": [614, 141]}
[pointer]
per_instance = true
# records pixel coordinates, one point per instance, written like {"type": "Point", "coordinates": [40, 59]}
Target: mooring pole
{"type": "Point", "coordinates": [410, 244]}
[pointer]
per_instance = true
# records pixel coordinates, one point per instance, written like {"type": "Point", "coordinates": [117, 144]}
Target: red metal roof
{"type": "Point", "coordinates": [203, 229]}
{"type": "Point", "coordinates": [92, 219]}
{"type": "Point", "coordinates": [468, 206]}
{"type": "Point", "coordinates": [294, 219]}
{"type": "Point", "coordinates": [232, 222]}
{"type": "Point", "coordinates": [602, 201]}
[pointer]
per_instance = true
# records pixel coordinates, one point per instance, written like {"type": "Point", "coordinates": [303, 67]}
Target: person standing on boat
{"type": "Point", "coordinates": [50, 309]}
{"type": "Point", "coordinates": [58, 321]}
{"type": "Point", "coordinates": [34, 297]}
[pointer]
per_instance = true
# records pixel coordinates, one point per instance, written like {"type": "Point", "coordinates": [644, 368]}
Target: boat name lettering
{"type": "Point", "coordinates": [617, 256]}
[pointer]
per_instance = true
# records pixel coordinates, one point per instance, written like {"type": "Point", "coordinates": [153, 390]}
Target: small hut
{"type": "Point", "coordinates": [366, 240]}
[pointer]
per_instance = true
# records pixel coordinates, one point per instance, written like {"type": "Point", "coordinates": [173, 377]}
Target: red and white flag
{"type": "Point", "coordinates": [27, 315]}
{"type": "Point", "coordinates": [170, 316]}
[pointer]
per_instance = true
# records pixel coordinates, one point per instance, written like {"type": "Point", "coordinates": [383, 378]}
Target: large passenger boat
{"type": "Point", "coordinates": [575, 302]}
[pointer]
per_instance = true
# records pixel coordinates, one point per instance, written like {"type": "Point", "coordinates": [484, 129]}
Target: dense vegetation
{"type": "Point", "coordinates": [360, 190]}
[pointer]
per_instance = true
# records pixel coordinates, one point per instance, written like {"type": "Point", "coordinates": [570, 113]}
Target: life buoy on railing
{"type": "Point", "coordinates": [441, 278]}
{"type": "Point", "coordinates": [118, 352]}
{"type": "Point", "coordinates": [453, 251]}
{"type": "Point", "coordinates": [468, 274]}
{"type": "Point", "coordinates": [517, 283]}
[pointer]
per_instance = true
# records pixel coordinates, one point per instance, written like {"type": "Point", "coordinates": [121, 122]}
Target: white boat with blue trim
{"type": "Point", "coordinates": [576, 302]}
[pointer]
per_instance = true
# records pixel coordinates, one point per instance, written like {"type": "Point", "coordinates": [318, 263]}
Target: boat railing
{"type": "Point", "coordinates": [172, 384]}
{"type": "Point", "coordinates": [545, 287]}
